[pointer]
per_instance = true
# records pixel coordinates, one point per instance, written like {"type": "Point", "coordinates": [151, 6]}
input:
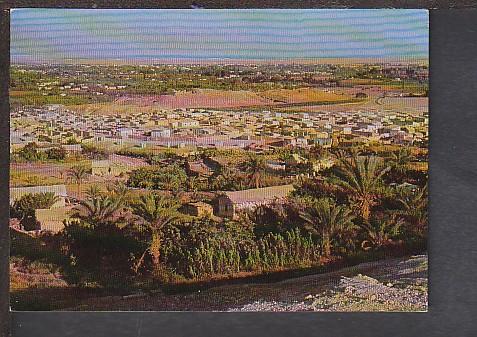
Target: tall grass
{"type": "Point", "coordinates": [227, 255]}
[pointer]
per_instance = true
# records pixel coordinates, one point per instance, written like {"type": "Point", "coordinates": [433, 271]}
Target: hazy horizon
{"type": "Point", "coordinates": [217, 36]}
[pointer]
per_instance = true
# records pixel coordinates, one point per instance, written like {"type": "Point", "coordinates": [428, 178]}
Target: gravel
{"type": "Point", "coordinates": [397, 285]}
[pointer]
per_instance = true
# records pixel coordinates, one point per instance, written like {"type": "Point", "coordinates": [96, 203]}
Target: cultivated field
{"type": "Point", "coordinates": [199, 98]}
{"type": "Point", "coordinates": [304, 95]}
{"type": "Point", "coordinates": [414, 106]}
{"type": "Point", "coordinates": [213, 99]}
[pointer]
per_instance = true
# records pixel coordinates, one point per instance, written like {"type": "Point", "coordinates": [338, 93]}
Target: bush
{"type": "Point", "coordinates": [103, 255]}
{"type": "Point", "coordinates": [30, 153]}
{"type": "Point", "coordinates": [56, 153]}
{"type": "Point", "coordinates": [94, 152]}
{"type": "Point", "coordinates": [170, 178]}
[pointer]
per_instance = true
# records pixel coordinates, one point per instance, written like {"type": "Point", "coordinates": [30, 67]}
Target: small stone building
{"type": "Point", "coordinates": [52, 219]}
{"type": "Point", "coordinates": [49, 219]}
{"type": "Point", "coordinates": [199, 209]}
{"type": "Point", "coordinates": [230, 203]}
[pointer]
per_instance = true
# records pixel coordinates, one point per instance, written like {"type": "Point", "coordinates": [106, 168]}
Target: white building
{"type": "Point", "coordinates": [161, 133]}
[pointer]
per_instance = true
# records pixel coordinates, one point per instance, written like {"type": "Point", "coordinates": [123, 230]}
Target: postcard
{"type": "Point", "coordinates": [219, 160]}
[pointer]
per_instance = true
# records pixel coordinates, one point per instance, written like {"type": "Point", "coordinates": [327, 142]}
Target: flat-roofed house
{"type": "Point", "coordinates": [73, 148]}
{"type": "Point", "coordinates": [161, 133]}
{"type": "Point", "coordinates": [230, 203]}
{"type": "Point", "coordinates": [51, 219]}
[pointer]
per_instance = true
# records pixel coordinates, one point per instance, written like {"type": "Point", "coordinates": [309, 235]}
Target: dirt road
{"type": "Point", "coordinates": [388, 285]}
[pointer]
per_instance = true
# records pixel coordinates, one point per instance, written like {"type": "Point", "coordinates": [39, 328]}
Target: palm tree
{"type": "Point", "coordinates": [227, 179]}
{"type": "Point", "coordinates": [193, 184]}
{"type": "Point", "coordinates": [47, 199]}
{"type": "Point", "coordinates": [120, 191]}
{"type": "Point", "coordinates": [77, 174]}
{"type": "Point", "coordinates": [361, 176]}
{"type": "Point", "coordinates": [99, 209]}
{"type": "Point", "coordinates": [327, 219]}
{"type": "Point", "coordinates": [157, 211]}
{"type": "Point", "coordinates": [400, 161]}
{"type": "Point", "coordinates": [413, 207]}
{"type": "Point", "coordinates": [255, 166]}
{"type": "Point", "coordinates": [380, 231]}
{"type": "Point", "coordinates": [93, 191]}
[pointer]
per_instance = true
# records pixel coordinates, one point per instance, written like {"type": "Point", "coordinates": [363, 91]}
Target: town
{"type": "Point", "coordinates": [203, 128]}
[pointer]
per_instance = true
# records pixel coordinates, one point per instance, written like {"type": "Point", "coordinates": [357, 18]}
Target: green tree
{"type": "Point", "coordinates": [30, 152]}
{"type": "Point", "coordinates": [255, 167]}
{"type": "Point", "coordinates": [99, 209]}
{"type": "Point", "coordinates": [56, 153]}
{"type": "Point", "coordinates": [78, 174]}
{"type": "Point", "coordinates": [228, 179]}
{"type": "Point", "coordinates": [94, 191]}
{"type": "Point", "coordinates": [362, 177]}
{"type": "Point", "coordinates": [399, 164]}
{"type": "Point", "coordinates": [171, 178]}
{"type": "Point", "coordinates": [326, 218]}
{"type": "Point", "coordinates": [380, 231]}
{"type": "Point", "coordinates": [94, 152]}
{"type": "Point", "coordinates": [412, 206]}
{"type": "Point", "coordinates": [72, 141]}
{"type": "Point", "coordinates": [120, 191]}
{"type": "Point", "coordinates": [157, 211]}
{"type": "Point", "coordinates": [401, 158]}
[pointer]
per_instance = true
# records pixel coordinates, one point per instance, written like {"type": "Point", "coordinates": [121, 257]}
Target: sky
{"type": "Point", "coordinates": [76, 35]}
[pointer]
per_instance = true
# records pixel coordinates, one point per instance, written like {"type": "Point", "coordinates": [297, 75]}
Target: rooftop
{"type": "Point", "coordinates": [18, 192]}
{"type": "Point", "coordinates": [260, 194]}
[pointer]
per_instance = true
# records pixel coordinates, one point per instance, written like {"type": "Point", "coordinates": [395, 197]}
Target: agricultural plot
{"type": "Point", "coordinates": [305, 95]}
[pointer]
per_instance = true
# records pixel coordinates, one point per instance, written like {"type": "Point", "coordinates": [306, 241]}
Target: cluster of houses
{"type": "Point", "coordinates": [255, 131]}
{"type": "Point", "coordinates": [207, 128]}
{"type": "Point", "coordinates": [226, 205]}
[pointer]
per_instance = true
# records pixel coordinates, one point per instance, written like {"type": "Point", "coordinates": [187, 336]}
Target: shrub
{"type": "Point", "coordinates": [94, 152]}
{"type": "Point", "coordinates": [103, 255]}
{"type": "Point", "coordinates": [56, 153]}
{"type": "Point", "coordinates": [170, 178]}
{"type": "Point", "coordinates": [30, 153]}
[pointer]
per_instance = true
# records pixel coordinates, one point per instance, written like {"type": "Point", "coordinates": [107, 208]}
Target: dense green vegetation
{"type": "Point", "coordinates": [162, 178]}
{"type": "Point", "coordinates": [131, 231]}
{"type": "Point", "coordinates": [361, 205]}
{"type": "Point", "coordinates": [32, 152]}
